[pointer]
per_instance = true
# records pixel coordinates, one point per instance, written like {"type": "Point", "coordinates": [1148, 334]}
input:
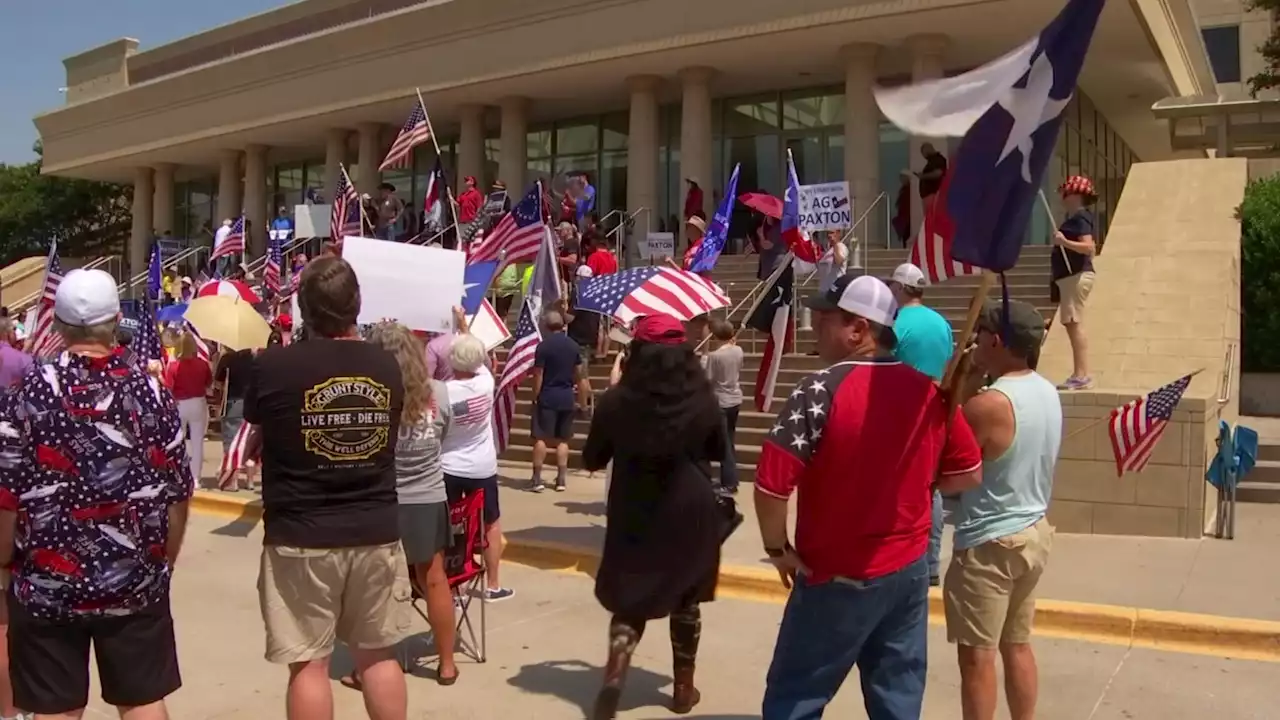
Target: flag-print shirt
{"type": "Point", "coordinates": [92, 454]}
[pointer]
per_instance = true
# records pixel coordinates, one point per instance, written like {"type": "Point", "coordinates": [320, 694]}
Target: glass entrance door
{"type": "Point", "coordinates": [806, 151]}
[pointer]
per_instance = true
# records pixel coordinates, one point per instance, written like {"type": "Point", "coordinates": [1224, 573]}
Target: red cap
{"type": "Point", "coordinates": [661, 329]}
{"type": "Point", "coordinates": [285, 321]}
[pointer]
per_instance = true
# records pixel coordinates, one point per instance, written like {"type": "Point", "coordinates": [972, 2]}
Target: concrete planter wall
{"type": "Point", "coordinates": [1260, 394]}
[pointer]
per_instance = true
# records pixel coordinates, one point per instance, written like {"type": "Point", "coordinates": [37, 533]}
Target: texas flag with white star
{"type": "Point", "coordinates": [1008, 112]}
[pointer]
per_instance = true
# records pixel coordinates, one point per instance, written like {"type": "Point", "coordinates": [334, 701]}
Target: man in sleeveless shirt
{"type": "Point", "coordinates": [1002, 539]}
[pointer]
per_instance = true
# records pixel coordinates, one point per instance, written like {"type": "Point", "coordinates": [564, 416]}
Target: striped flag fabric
{"type": "Point", "coordinates": [931, 251]}
{"type": "Point", "coordinates": [1137, 426]}
{"type": "Point", "coordinates": [42, 340]}
{"type": "Point", "coordinates": [517, 236]}
{"type": "Point", "coordinates": [235, 458]}
{"type": "Point", "coordinates": [344, 218]}
{"type": "Point", "coordinates": [202, 346]}
{"type": "Point", "coordinates": [519, 363]}
{"type": "Point", "coordinates": [234, 242]}
{"type": "Point", "coordinates": [271, 270]}
{"type": "Point", "coordinates": [146, 343]}
{"type": "Point", "coordinates": [655, 290]}
{"type": "Point", "coordinates": [416, 130]}
{"type": "Point", "coordinates": [773, 317]}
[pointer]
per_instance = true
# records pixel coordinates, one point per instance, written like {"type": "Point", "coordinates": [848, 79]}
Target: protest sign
{"type": "Point", "coordinates": [659, 245]}
{"type": "Point", "coordinates": [825, 206]}
{"type": "Point", "coordinates": [415, 285]}
{"type": "Point", "coordinates": [487, 327]}
{"type": "Point", "coordinates": [496, 203]}
{"type": "Point", "coordinates": [311, 221]}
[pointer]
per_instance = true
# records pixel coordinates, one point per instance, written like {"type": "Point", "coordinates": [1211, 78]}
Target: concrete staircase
{"type": "Point", "coordinates": [1263, 482]}
{"type": "Point", "coordinates": [737, 275]}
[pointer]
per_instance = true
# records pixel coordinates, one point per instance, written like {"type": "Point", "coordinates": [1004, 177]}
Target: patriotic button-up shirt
{"type": "Point", "coordinates": [92, 454]}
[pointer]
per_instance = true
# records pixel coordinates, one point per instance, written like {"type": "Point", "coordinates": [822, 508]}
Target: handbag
{"type": "Point", "coordinates": [726, 505]}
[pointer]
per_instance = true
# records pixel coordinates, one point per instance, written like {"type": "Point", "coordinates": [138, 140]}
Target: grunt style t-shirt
{"type": "Point", "coordinates": [329, 413]}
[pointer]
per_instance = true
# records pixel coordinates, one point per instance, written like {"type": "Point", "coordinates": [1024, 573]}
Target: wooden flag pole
{"type": "Point", "coordinates": [1048, 211]}
{"type": "Point", "coordinates": [453, 203]}
{"type": "Point", "coordinates": [949, 380]}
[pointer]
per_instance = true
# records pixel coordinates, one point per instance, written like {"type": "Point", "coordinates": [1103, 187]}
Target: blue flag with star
{"type": "Point", "coordinates": [718, 231]}
{"type": "Point", "coordinates": [476, 279]}
{"type": "Point", "coordinates": [155, 279]}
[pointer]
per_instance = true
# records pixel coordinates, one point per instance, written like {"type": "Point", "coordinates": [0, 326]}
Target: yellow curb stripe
{"type": "Point", "coordinates": [1167, 630]}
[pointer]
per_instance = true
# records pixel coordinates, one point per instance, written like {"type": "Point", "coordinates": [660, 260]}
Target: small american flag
{"type": "Point", "coordinates": [518, 233]}
{"type": "Point", "coordinates": [1137, 426]}
{"type": "Point", "coordinates": [473, 411]}
{"type": "Point", "coordinates": [147, 341]}
{"type": "Point", "coordinates": [931, 251]}
{"type": "Point", "coordinates": [519, 363]}
{"type": "Point", "coordinates": [656, 290]}
{"type": "Point", "coordinates": [43, 340]}
{"type": "Point", "coordinates": [344, 219]}
{"type": "Point", "coordinates": [234, 242]}
{"type": "Point", "coordinates": [416, 130]}
{"type": "Point", "coordinates": [271, 271]}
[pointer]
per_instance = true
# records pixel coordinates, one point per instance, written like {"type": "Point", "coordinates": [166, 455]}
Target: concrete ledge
{"type": "Point", "coordinates": [1113, 624]}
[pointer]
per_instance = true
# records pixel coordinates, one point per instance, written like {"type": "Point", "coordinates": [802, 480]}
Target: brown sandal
{"type": "Point", "coordinates": [447, 681]}
{"type": "Point", "coordinates": [352, 681]}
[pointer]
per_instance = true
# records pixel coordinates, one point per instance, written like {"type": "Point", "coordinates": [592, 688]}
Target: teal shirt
{"type": "Point", "coordinates": [924, 340]}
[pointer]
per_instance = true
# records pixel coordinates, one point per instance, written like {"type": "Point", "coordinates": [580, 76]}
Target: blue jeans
{"type": "Point", "coordinates": [935, 536]}
{"type": "Point", "coordinates": [729, 463]}
{"type": "Point", "coordinates": [880, 625]}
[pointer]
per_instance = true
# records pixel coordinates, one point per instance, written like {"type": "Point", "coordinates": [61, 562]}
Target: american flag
{"type": "Point", "coordinates": [931, 251]}
{"type": "Point", "coordinates": [271, 271]}
{"type": "Point", "coordinates": [43, 340]}
{"type": "Point", "coordinates": [1137, 426]}
{"type": "Point", "coordinates": [472, 411]}
{"type": "Point", "coordinates": [235, 458]}
{"type": "Point", "coordinates": [416, 130]}
{"type": "Point", "coordinates": [202, 347]}
{"type": "Point", "coordinates": [656, 290]}
{"type": "Point", "coordinates": [519, 363]}
{"type": "Point", "coordinates": [146, 343]}
{"type": "Point", "coordinates": [233, 244]}
{"type": "Point", "coordinates": [344, 219]}
{"type": "Point", "coordinates": [519, 233]}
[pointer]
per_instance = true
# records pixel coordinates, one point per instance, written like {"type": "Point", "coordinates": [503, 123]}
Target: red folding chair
{"type": "Point", "coordinates": [464, 566]}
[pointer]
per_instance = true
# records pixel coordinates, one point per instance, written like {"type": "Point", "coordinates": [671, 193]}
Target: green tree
{"type": "Point", "coordinates": [89, 218]}
{"type": "Point", "coordinates": [1259, 217]}
{"type": "Point", "coordinates": [1270, 50]}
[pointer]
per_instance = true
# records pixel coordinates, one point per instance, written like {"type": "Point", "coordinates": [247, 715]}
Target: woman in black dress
{"type": "Point", "coordinates": [661, 428]}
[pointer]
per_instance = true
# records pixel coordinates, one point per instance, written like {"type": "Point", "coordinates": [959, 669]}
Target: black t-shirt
{"type": "Point", "coordinates": [1077, 225]}
{"type": "Point", "coordinates": [233, 369]}
{"type": "Point", "coordinates": [935, 162]}
{"type": "Point", "coordinates": [584, 329]}
{"type": "Point", "coordinates": [557, 355]}
{"type": "Point", "coordinates": [329, 411]}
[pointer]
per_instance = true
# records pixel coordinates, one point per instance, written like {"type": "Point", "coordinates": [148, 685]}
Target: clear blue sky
{"type": "Point", "coordinates": [36, 36]}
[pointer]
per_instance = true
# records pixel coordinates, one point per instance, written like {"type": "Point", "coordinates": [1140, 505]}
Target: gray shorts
{"type": "Point", "coordinates": [424, 531]}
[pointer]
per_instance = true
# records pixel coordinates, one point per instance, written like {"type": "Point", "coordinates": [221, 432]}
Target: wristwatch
{"type": "Point", "coordinates": [779, 552]}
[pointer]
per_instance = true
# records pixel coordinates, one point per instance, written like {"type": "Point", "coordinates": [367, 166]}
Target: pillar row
{"type": "Point", "coordinates": [142, 232]}
{"type": "Point", "coordinates": [642, 159]}
{"type": "Point", "coordinates": [695, 131]}
{"type": "Point", "coordinates": [471, 147]}
{"type": "Point", "coordinates": [513, 153]}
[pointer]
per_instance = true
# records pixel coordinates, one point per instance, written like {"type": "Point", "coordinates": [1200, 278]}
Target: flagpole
{"type": "Point", "coordinates": [453, 203]}
{"type": "Point", "coordinates": [1048, 210]}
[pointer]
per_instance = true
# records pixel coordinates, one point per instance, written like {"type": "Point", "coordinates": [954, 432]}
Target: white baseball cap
{"type": "Point", "coordinates": [86, 297]}
{"type": "Point", "coordinates": [908, 275]}
{"type": "Point", "coordinates": [862, 295]}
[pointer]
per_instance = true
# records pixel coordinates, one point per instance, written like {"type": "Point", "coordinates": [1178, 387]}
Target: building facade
{"type": "Point", "coordinates": [639, 94]}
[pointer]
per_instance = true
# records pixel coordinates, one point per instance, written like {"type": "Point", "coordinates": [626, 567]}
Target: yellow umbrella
{"type": "Point", "coordinates": [229, 321]}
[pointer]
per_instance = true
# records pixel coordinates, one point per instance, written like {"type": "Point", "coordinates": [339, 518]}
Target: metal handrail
{"type": "Point", "coordinates": [29, 300]}
{"type": "Point", "coordinates": [261, 260]}
{"type": "Point", "coordinates": [1228, 377]}
{"type": "Point", "coordinates": [857, 245]}
{"type": "Point", "coordinates": [141, 277]}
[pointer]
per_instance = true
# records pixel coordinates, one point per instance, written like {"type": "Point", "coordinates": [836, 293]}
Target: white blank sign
{"type": "Point", "coordinates": [311, 221]}
{"type": "Point", "coordinates": [415, 285]}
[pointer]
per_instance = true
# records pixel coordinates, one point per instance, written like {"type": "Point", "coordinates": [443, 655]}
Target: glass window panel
{"type": "Point", "coordinates": [806, 151]}
{"type": "Point", "coordinates": [674, 197]}
{"type": "Point", "coordinates": [761, 164]}
{"type": "Point", "coordinates": [576, 139]}
{"type": "Point", "coordinates": [813, 110]}
{"type": "Point", "coordinates": [537, 169]}
{"type": "Point", "coordinates": [745, 118]}
{"type": "Point", "coordinates": [611, 191]}
{"type": "Point", "coordinates": [835, 159]}
{"type": "Point", "coordinates": [288, 187]}
{"type": "Point", "coordinates": [1222, 43]}
{"type": "Point", "coordinates": [614, 128]}
{"type": "Point", "coordinates": [539, 142]}
{"type": "Point", "coordinates": [895, 152]}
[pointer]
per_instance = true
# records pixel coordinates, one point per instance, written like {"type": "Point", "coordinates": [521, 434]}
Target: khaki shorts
{"type": "Point", "coordinates": [312, 597]}
{"type": "Point", "coordinates": [990, 590]}
{"type": "Point", "coordinates": [1073, 291]}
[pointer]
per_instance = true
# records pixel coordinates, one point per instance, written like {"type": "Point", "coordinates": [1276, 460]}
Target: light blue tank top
{"type": "Point", "coordinates": [1016, 487]}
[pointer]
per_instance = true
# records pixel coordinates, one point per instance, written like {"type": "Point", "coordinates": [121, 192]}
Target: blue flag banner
{"type": "Point", "coordinates": [154, 281]}
{"type": "Point", "coordinates": [718, 230]}
{"type": "Point", "coordinates": [476, 279]}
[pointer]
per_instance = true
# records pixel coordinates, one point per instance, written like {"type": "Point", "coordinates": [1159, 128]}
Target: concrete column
{"type": "Point", "coordinates": [162, 212]}
{"type": "Point", "coordinates": [335, 156]}
{"type": "Point", "coordinates": [229, 205]}
{"type": "Point", "coordinates": [513, 155]}
{"type": "Point", "coordinates": [255, 199]}
{"type": "Point", "coordinates": [695, 133]}
{"type": "Point", "coordinates": [926, 64]}
{"type": "Point", "coordinates": [143, 232]}
{"type": "Point", "coordinates": [1223, 124]}
{"type": "Point", "coordinates": [371, 156]}
{"type": "Point", "coordinates": [642, 159]}
{"type": "Point", "coordinates": [862, 141]}
{"type": "Point", "coordinates": [471, 147]}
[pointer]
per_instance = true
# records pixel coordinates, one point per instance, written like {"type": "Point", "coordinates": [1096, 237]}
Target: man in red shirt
{"type": "Point", "coordinates": [862, 443]}
{"type": "Point", "coordinates": [602, 261]}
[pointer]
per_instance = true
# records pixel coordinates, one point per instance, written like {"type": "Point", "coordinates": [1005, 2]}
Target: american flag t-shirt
{"type": "Point", "coordinates": [472, 411]}
{"type": "Point", "coordinates": [1137, 426]}
{"type": "Point", "coordinates": [416, 130]}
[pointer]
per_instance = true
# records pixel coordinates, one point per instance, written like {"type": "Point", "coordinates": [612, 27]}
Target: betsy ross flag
{"type": "Point", "coordinates": [516, 237]}
{"type": "Point", "coordinates": [233, 244]}
{"type": "Point", "coordinates": [931, 250]}
{"type": "Point", "coordinates": [271, 270]}
{"type": "Point", "coordinates": [344, 218]}
{"type": "Point", "coordinates": [519, 363]}
{"type": "Point", "coordinates": [1008, 112]}
{"type": "Point", "coordinates": [704, 260]}
{"type": "Point", "coordinates": [416, 130]}
{"type": "Point", "coordinates": [1138, 425]}
{"type": "Point", "coordinates": [797, 240]}
{"type": "Point", "coordinates": [773, 317]}
{"type": "Point", "coordinates": [42, 340]}
{"type": "Point", "coordinates": [654, 290]}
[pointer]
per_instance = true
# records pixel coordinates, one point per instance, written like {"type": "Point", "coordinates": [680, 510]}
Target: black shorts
{"type": "Point", "coordinates": [459, 487]}
{"type": "Point", "coordinates": [551, 424]}
{"type": "Point", "coordinates": [49, 659]}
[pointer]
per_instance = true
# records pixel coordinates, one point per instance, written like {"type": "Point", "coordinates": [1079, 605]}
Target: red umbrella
{"type": "Point", "coordinates": [229, 288]}
{"type": "Point", "coordinates": [763, 203]}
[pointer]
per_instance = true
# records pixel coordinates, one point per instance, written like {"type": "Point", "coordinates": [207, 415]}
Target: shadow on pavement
{"type": "Point", "coordinates": [584, 537]}
{"type": "Point", "coordinates": [577, 682]}
{"type": "Point", "coordinates": [594, 509]}
{"type": "Point", "coordinates": [243, 525]}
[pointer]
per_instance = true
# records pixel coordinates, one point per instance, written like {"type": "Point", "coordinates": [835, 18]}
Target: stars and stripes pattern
{"type": "Point", "coordinates": [271, 270]}
{"type": "Point", "coordinates": [519, 363]}
{"type": "Point", "coordinates": [202, 346]}
{"type": "Point", "coordinates": [1137, 426]}
{"type": "Point", "coordinates": [517, 236]}
{"type": "Point", "coordinates": [344, 218]}
{"type": "Point", "coordinates": [657, 290]}
{"type": "Point", "coordinates": [44, 341]}
{"type": "Point", "coordinates": [236, 458]}
{"type": "Point", "coordinates": [416, 130]}
{"type": "Point", "coordinates": [472, 411]}
{"type": "Point", "coordinates": [931, 251]}
{"type": "Point", "coordinates": [146, 343]}
{"type": "Point", "coordinates": [233, 244]}
{"type": "Point", "coordinates": [797, 431]}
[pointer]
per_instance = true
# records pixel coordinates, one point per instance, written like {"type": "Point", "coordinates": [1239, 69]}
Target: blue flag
{"type": "Point", "coordinates": [154, 282]}
{"type": "Point", "coordinates": [1009, 112]}
{"type": "Point", "coordinates": [718, 231]}
{"type": "Point", "coordinates": [476, 279]}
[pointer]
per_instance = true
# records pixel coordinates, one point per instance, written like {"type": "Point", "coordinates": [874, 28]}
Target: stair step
{"type": "Point", "coordinates": [1258, 492]}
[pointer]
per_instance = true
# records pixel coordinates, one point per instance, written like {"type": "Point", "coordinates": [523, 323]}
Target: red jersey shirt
{"type": "Point", "coordinates": [188, 378]}
{"type": "Point", "coordinates": [602, 262]}
{"type": "Point", "coordinates": [862, 443]}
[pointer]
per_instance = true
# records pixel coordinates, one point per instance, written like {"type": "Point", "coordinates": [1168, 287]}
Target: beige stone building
{"type": "Point", "coordinates": [1232, 35]}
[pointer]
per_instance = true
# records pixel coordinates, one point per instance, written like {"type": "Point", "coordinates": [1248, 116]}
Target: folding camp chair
{"type": "Point", "coordinates": [464, 566]}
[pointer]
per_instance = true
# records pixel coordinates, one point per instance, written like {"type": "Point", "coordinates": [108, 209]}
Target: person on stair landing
{"type": "Point", "coordinates": [1072, 265]}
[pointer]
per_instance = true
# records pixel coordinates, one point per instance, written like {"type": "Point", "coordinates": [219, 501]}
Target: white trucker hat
{"type": "Point", "coordinates": [908, 275]}
{"type": "Point", "coordinates": [863, 295]}
{"type": "Point", "coordinates": [86, 297]}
